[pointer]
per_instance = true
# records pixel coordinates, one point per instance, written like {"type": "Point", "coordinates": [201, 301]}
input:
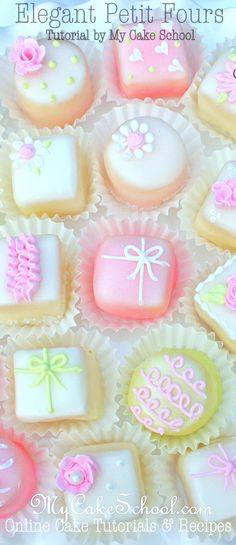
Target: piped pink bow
{"type": "Point", "coordinates": [221, 465]}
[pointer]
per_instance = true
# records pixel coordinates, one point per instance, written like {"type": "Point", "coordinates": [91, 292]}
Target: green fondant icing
{"type": "Point", "coordinates": [215, 295]}
{"type": "Point", "coordinates": [48, 371]}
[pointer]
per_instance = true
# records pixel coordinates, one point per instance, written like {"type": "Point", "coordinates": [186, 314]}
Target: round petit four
{"type": "Point", "coordinates": [52, 81]}
{"type": "Point", "coordinates": [175, 392]}
{"type": "Point", "coordinates": [134, 276]}
{"type": "Point", "coordinates": [47, 175]}
{"type": "Point", "coordinates": [217, 94]}
{"type": "Point", "coordinates": [209, 478]}
{"type": "Point", "coordinates": [215, 302]}
{"type": "Point", "coordinates": [17, 477]}
{"type": "Point", "coordinates": [155, 67]}
{"type": "Point", "coordinates": [29, 288]}
{"type": "Point", "coordinates": [216, 219]}
{"type": "Point", "coordinates": [146, 161]}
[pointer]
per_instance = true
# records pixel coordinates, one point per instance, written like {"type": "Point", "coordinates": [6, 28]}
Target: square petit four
{"type": "Point", "coordinates": [209, 478]}
{"type": "Point", "coordinates": [217, 94]}
{"type": "Point", "coordinates": [111, 471]}
{"type": "Point", "coordinates": [31, 277]}
{"type": "Point", "coordinates": [57, 383]}
{"type": "Point", "coordinates": [47, 175]}
{"type": "Point", "coordinates": [155, 67]}
{"type": "Point", "coordinates": [215, 301]}
{"type": "Point", "coordinates": [216, 220]}
{"type": "Point", "coordinates": [134, 276]}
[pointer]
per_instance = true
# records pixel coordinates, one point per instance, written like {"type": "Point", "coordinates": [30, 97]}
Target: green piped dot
{"type": "Point", "coordinates": [36, 171]}
{"type": "Point", "coordinates": [70, 80]}
{"type": "Point", "coordinates": [151, 69]}
{"type": "Point", "coordinates": [74, 59]}
{"type": "Point", "coordinates": [128, 41]}
{"type": "Point", "coordinates": [56, 43]}
{"type": "Point", "coordinates": [26, 85]}
{"type": "Point", "coordinates": [177, 43]}
{"type": "Point", "coordinates": [43, 85]}
{"type": "Point", "coordinates": [47, 144]}
{"type": "Point", "coordinates": [53, 98]}
{"type": "Point", "coordinates": [130, 76]}
{"type": "Point", "coordinates": [52, 64]}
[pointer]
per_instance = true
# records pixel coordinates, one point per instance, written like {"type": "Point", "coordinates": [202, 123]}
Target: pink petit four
{"type": "Point", "coordinates": [134, 276]}
{"type": "Point", "coordinates": [17, 477]}
{"type": "Point", "coordinates": [154, 67]}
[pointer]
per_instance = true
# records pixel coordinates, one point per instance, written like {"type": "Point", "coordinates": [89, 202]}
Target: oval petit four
{"type": "Point", "coordinates": [217, 94]}
{"type": "Point", "coordinates": [52, 81]}
{"type": "Point", "coordinates": [17, 477]}
{"type": "Point", "coordinates": [209, 478]}
{"type": "Point", "coordinates": [47, 175]}
{"type": "Point", "coordinates": [216, 219]}
{"type": "Point", "coordinates": [29, 287]}
{"type": "Point", "coordinates": [154, 67]}
{"type": "Point", "coordinates": [146, 162]}
{"type": "Point", "coordinates": [134, 276]}
{"type": "Point", "coordinates": [57, 384]}
{"type": "Point", "coordinates": [175, 392]}
{"type": "Point", "coordinates": [215, 302]}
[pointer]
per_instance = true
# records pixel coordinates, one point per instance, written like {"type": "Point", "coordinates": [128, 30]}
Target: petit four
{"type": "Point", "coordinates": [153, 67]}
{"type": "Point", "coordinates": [52, 80]}
{"type": "Point", "coordinates": [209, 478]}
{"type": "Point", "coordinates": [57, 383]}
{"type": "Point", "coordinates": [175, 392]}
{"type": "Point", "coordinates": [215, 302]}
{"type": "Point", "coordinates": [134, 276]}
{"type": "Point", "coordinates": [217, 94]}
{"type": "Point", "coordinates": [47, 175]}
{"type": "Point", "coordinates": [17, 477]}
{"type": "Point", "coordinates": [137, 161]}
{"type": "Point", "coordinates": [111, 471]}
{"type": "Point", "coordinates": [216, 220]}
{"type": "Point", "coordinates": [31, 277]}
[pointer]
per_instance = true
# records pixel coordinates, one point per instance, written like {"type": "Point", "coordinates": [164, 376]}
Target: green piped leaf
{"type": "Point", "coordinates": [47, 144]}
{"type": "Point", "coordinates": [36, 171]}
{"type": "Point", "coordinates": [222, 98]}
{"type": "Point", "coordinates": [216, 295]}
{"type": "Point", "coordinates": [232, 56]}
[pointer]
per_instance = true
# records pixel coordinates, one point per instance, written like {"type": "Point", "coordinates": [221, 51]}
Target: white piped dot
{"type": "Point", "coordinates": [120, 463]}
{"type": "Point", "coordinates": [110, 486]}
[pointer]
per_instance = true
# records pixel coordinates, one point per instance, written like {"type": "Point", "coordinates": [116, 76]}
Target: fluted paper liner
{"type": "Point", "coordinates": [178, 336]}
{"type": "Point", "coordinates": [7, 88]}
{"type": "Point", "coordinates": [92, 237]}
{"type": "Point", "coordinates": [96, 435]}
{"type": "Point", "coordinates": [110, 123]}
{"type": "Point", "coordinates": [195, 52]}
{"type": "Point", "coordinates": [108, 367]}
{"type": "Point", "coordinates": [45, 473]}
{"type": "Point", "coordinates": [195, 197]}
{"type": "Point", "coordinates": [191, 110]}
{"type": "Point", "coordinates": [7, 203]}
{"type": "Point", "coordinates": [69, 245]}
{"type": "Point", "coordinates": [171, 487]}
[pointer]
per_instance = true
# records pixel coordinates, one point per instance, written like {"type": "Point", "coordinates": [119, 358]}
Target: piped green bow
{"type": "Point", "coordinates": [49, 371]}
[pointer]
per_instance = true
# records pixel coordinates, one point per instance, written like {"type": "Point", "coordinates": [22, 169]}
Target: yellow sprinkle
{"type": "Point", "coordinates": [43, 85]}
{"type": "Point", "coordinates": [53, 98]}
{"type": "Point", "coordinates": [52, 64]}
{"type": "Point", "coordinates": [151, 69]}
{"type": "Point", "coordinates": [74, 59]}
{"type": "Point", "coordinates": [56, 43]}
{"type": "Point", "coordinates": [70, 80]}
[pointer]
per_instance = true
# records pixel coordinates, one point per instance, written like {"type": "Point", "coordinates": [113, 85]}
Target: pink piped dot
{"type": "Point", "coordinates": [27, 152]}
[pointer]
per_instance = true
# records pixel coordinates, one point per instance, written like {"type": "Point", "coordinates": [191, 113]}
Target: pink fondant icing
{"type": "Point", "coordinates": [76, 474]}
{"type": "Point", "coordinates": [23, 272]}
{"type": "Point", "coordinates": [134, 276]}
{"type": "Point", "coordinates": [17, 477]}
{"type": "Point", "coordinates": [27, 55]}
{"type": "Point", "coordinates": [152, 68]}
{"type": "Point", "coordinates": [225, 193]}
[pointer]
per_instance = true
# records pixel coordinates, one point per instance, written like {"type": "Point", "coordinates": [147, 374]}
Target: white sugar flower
{"type": "Point", "coordinates": [134, 139]}
{"type": "Point", "coordinates": [29, 153]}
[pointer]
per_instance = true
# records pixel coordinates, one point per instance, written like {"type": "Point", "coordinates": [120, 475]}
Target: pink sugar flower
{"type": "Point", "coordinates": [76, 474]}
{"type": "Point", "coordinates": [225, 193]}
{"type": "Point", "coordinates": [227, 81]}
{"type": "Point", "coordinates": [27, 55]}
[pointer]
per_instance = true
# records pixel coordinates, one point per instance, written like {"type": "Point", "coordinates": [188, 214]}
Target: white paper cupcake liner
{"type": "Point", "coordinates": [91, 238]}
{"type": "Point", "coordinates": [7, 203]}
{"type": "Point", "coordinates": [69, 242]}
{"type": "Point", "coordinates": [7, 90]}
{"type": "Point", "coordinates": [108, 368]}
{"type": "Point", "coordinates": [190, 101]}
{"type": "Point", "coordinates": [110, 122]}
{"type": "Point", "coordinates": [178, 336]}
{"type": "Point", "coordinates": [148, 462]}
